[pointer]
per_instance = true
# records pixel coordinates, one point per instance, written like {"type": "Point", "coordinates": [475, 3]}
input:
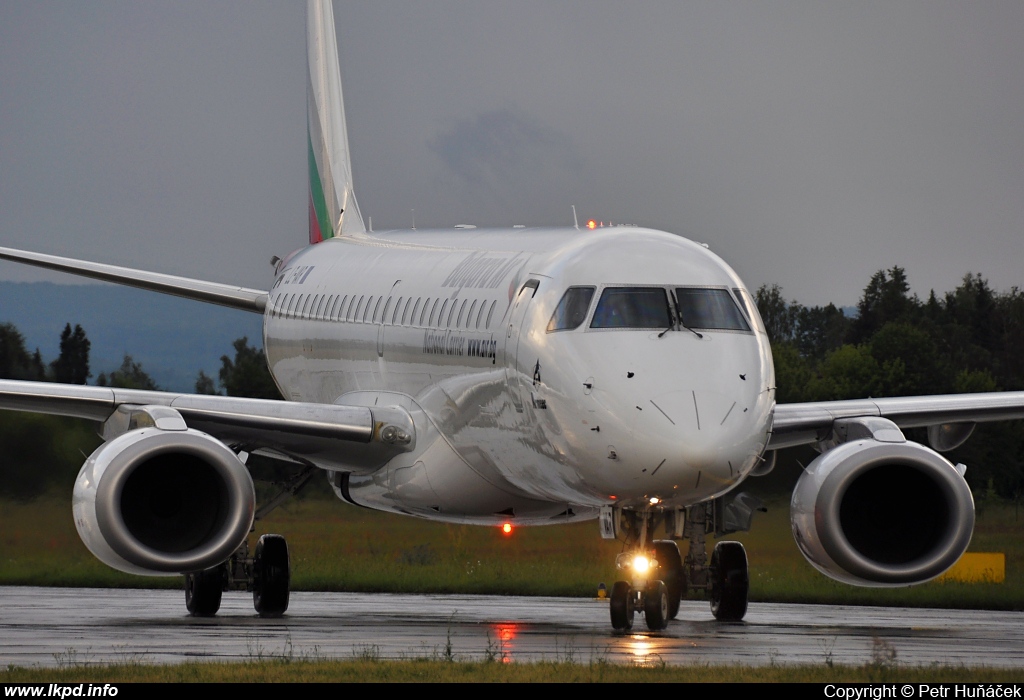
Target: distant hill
{"type": "Point", "coordinates": [172, 338]}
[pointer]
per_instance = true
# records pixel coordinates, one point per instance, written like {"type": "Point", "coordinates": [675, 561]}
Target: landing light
{"type": "Point", "coordinates": [591, 224]}
{"type": "Point", "coordinates": [641, 564]}
{"type": "Point", "coordinates": [655, 501]}
{"type": "Point", "coordinates": [506, 528]}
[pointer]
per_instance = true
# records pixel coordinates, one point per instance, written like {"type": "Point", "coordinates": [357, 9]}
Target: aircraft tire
{"type": "Point", "coordinates": [670, 567]}
{"type": "Point", "coordinates": [621, 606]}
{"type": "Point", "coordinates": [271, 576]}
{"type": "Point", "coordinates": [203, 591]}
{"type": "Point", "coordinates": [730, 582]}
{"type": "Point", "coordinates": [656, 605]}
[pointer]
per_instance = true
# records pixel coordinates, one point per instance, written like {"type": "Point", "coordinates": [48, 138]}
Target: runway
{"type": "Point", "coordinates": [51, 627]}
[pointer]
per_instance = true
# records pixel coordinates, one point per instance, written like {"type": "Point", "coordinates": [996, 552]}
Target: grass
{"type": "Point", "coordinates": [336, 547]}
{"type": "Point", "coordinates": [365, 668]}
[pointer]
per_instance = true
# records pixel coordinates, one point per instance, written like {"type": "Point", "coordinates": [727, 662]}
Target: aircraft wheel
{"type": "Point", "coordinates": [203, 591]}
{"type": "Point", "coordinates": [729, 581]}
{"type": "Point", "coordinates": [622, 606]}
{"type": "Point", "coordinates": [271, 576]}
{"type": "Point", "coordinates": [670, 567]}
{"type": "Point", "coordinates": [656, 605]}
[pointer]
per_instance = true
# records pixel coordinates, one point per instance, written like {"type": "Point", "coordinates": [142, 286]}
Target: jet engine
{"type": "Point", "coordinates": [155, 501]}
{"type": "Point", "coordinates": [882, 512]}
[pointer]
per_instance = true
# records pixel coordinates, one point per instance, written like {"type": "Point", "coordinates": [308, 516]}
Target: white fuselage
{"type": "Point", "coordinates": [513, 418]}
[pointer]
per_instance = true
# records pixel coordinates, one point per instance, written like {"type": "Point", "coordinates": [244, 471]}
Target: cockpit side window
{"type": "Point", "coordinates": [572, 309]}
{"type": "Point", "coordinates": [632, 307]}
{"type": "Point", "coordinates": [750, 308]}
{"type": "Point", "coordinates": [709, 309]}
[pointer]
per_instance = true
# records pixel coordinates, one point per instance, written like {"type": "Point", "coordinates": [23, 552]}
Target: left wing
{"type": "Point", "coordinates": [342, 437]}
{"type": "Point", "coordinates": [949, 417]}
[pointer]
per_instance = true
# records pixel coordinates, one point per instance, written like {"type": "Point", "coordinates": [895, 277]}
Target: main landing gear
{"type": "Point", "coordinates": [657, 577]}
{"type": "Point", "coordinates": [266, 574]}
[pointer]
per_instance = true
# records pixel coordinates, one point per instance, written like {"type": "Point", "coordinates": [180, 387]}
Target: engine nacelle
{"type": "Point", "coordinates": [874, 513]}
{"type": "Point", "coordinates": [155, 501]}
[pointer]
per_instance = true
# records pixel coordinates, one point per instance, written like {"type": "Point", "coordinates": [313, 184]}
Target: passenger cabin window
{"type": "Point", "coordinates": [415, 309]}
{"type": "Point", "coordinates": [458, 319]}
{"type": "Point", "coordinates": [572, 309]}
{"type": "Point", "coordinates": [632, 307]}
{"type": "Point", "coordinates": [709, 309]}
{"type": "Point", "coordinates": [491, 313]}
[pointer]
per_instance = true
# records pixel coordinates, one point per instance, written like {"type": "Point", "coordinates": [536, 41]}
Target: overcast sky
{"type": "Point", "coordinates": [808, 143]}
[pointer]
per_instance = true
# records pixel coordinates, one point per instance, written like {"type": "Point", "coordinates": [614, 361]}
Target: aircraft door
{"type": "Point", "coordinates": [513, 333]}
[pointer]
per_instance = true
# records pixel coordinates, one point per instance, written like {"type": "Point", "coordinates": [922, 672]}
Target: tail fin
{"type": "Point", "coordinates": [332, 203]}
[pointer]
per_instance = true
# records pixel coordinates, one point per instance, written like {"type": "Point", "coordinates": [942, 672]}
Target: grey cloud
{"type": "Point", "coordinates": [504, 154]}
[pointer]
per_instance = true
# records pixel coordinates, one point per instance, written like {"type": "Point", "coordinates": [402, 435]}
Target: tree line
{"type": "Point", "coordinates": [896, 344]}
{"type": "Point", "coordinates": [244, 374]}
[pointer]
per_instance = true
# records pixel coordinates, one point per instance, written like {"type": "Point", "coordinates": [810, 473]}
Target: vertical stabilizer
{"type": "Point", "coordinates": [332, 203]}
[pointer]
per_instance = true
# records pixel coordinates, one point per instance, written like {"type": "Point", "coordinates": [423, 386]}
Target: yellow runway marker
{"type": "Point", "coordinates": [978, 567]}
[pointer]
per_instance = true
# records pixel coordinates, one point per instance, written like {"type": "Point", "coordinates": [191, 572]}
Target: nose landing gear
{"type": "Point", "coordinates": [658, 577]}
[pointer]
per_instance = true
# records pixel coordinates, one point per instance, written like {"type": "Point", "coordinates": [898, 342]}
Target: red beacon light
{"type": "Point", "coordinates": [506, 529]}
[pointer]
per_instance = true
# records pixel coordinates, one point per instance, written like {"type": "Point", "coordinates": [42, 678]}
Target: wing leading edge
{"type": "Point", "coordinates": [242, 298]}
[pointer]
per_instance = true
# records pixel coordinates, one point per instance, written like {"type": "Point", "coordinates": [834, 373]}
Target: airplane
{"type": "Point", "coordinates": [533, 376]}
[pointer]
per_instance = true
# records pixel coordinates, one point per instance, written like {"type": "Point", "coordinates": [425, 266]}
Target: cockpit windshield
{"type": "Point", "coordinates": [709, 309]}
{"type": "Point", "coordinates": [632, 307]}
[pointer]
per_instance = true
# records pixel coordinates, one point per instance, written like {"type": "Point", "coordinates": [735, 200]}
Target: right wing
{"type": "Point", "coordinates": [806, 423]}
{"type": "Point", "coordinates": [212, 292]}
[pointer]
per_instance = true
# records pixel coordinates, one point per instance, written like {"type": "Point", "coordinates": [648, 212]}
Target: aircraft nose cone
{"type": "Point", "coordinates": [695, 412]}
{"type": "Point", "coordinates": [700, 428]}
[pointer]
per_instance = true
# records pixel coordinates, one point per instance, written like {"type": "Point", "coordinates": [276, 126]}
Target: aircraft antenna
{"type": "Point", "coordinates": [575, 221]}
{"type": "Point", "coordinates": [413, 219]}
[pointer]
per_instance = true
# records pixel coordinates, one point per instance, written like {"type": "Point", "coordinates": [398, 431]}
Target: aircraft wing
{"type": "Point", "coordinates": [806, 423]}
{"type": "Point", "coordinates": [331, 436]}
{"type": "Point", "coordinates": [199, 290]}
